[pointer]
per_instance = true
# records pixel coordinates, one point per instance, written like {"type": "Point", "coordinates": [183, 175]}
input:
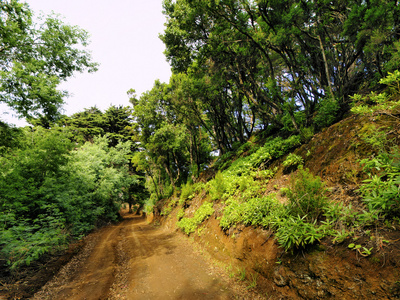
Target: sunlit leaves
{"type": "Point", "coordinates": [36, 58]}
{"type": "Point", "coordinates": [50, 192]}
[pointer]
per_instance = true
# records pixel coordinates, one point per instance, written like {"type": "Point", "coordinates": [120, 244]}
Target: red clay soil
{"type": "Point", "coordinates": [135, 260]}
{"type": "Point", "coordinates": [327, 270]}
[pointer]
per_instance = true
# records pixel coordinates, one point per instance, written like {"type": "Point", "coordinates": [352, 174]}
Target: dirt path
{"type": "Point", "coordinates": [134, 260]}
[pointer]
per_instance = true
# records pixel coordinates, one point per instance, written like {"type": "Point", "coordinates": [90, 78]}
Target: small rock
{"type": "Point", "coordinates": [280, 277]}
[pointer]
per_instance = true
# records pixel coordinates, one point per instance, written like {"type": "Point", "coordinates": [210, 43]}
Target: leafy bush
{"type": "Point", "coordinates": [24, 240]}
{"type": "Point", "coordinates": [381, 102]}
{"type": "Point", "coordinates": [272, 149]}
{"type": "Point", "coordinates": [392, 80]}
{"type": "Point", "coordinates": [224, 161]}
{"type": "Point", "coordinates": [252, 212]}
{"type": "Point", "coordinates": [257, 209]}
{"type": "Point", "coordinates": [168, 191]}
{"type": "Point", "coordinates": [50, 193]}
{"type": "Point", "coordinates": [296, 232]}
{"type": "Point", "coordinates": [189, 225]}
{"type": "Point", "coordinates": [243, 148]}
{"type": "Point", "coordinates": [306, 134]}
{"type": "Point", "coordinates": [374, 136]}
{"type": "Point", "coordinates": [381, 191]}
{"type": "Point", "coordinates": [287, 122]}
{"type": "Point", "coordinates": [186, 192]}
{"type": "Point", "coordinates": [284, 191]}
{"type": "Point", "coordinates": [149, 204]}
{"type": "Point", "coordinates": [278, 147]}
{"type": "Point", "coordinates": [218, 186]}
{"type": "Point", "coordinates": [306, 196]}
{"type": "Point", "coordinates": [326, 112]}
{"type": "Point", "coordinates": [293, 160]}
{"type": "Point", "coordinates": [232, 214]}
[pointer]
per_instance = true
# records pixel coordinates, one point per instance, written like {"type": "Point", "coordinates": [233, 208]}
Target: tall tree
{"type": "Point", "coordinates": [277, 58]}
{"type": "Point", "coordinates": [36, 58]}
{"type": "Point", "coordinates": [160, 134]}
{"type": "Point", "coordinates": [117, 124]}
{"type": "Point", "coordinates": [85, 125]}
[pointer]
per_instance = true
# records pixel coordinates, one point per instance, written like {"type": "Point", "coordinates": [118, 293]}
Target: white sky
{"type": "Point", "coordinates": [124, 40]}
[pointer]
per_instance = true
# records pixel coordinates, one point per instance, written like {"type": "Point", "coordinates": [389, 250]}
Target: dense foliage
{"type": "Point", "coordinates": [307, 215]}
{"type": "Point", "coordinates": [252, 80]}
{"type": "Point", "coordinates": [240, 67]}
{"type": "Point", "coordinates": [260, 64]}
{"type": "Point", "coordinates": [50, 191]}
{"type": "Point", "coordinates": [36, 58]}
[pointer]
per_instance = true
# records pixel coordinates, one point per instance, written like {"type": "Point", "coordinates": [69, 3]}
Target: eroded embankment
{"type": "Point", "coordinates": [320, 272]}
{"type": "Point", "coordinates": [327, 269]}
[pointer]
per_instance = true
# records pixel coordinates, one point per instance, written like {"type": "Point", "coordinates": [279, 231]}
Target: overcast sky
{"type": "Point", "coordinates": [124, 40]}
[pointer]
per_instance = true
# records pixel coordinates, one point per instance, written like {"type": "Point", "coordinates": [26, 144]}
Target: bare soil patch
{"type": "Point", "coordinates": [135, 260]}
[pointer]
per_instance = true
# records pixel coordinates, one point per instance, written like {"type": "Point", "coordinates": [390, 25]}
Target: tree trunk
{"type": "Point", "coordinates": [326, 67]}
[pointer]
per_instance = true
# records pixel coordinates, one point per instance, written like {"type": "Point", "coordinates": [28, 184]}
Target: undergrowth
{"type": "Point", "coordinates": [189, 225]}
{"type": "Point", "coordinates": [308, 215]}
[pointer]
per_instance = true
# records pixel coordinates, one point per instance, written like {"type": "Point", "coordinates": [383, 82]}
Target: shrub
{"type": "Point", "coordinates": [272, 149]}
{"type": "Point", "coordinates": [243, 148]}
{"type": "Point", "coordinates": [167, 210]}
{"type": "Point", "coordinates": [381, 102]}
{"type": "Point", "coordinates": [306, 134]}
{"type": "Point", "coordinates": [23, 241]}
{"type": "Point", "coordinates": [376, 137]}
{"type": "Point", "coordinates": [381, 191]}
{"type": "Point", "coordinates": [224, 161]}
{"type": "Point", "coordinates": [293, 160]}
{"type": "Point", "coordinates": [168, 191]}
{"type": "Point", "coordinates": [186, 192]}
{"type": "Point", "coordinates": [326, 112]}
{"type": "Point", "coordinates": [392, 81]}
{"type": "Point", "coordinates": [180, 214]}
{"type": "Point", "coordinates": [256, 211]}
{"type": "Point", "coordinates": [296, 232]}
{"type": "Point", "coordinates": [278, 146]}
{"type": "Point", "coordinates": [284, 191]}
{"type": "Point", "coordinates": [232, 214]}
{"type": "Point", "coordinates": [189, 225]}
{"type": "Point", "coordinates": [218, 186]}
{"type": "Point", "coordinates": [306, 196]}
{"type": "Point", "coordinates": [149, 204]}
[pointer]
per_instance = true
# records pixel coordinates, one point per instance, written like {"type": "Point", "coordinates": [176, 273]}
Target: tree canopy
{"type": "Point", "coordinates": [272, 68]}
{"type": "Point", "coordinates": [36, 57]}
{"type": "Point", "coordinates": [268, 60]}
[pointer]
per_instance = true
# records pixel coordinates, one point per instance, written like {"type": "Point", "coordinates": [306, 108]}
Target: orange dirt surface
{"type": "Point", "coordinates": [135, 260]}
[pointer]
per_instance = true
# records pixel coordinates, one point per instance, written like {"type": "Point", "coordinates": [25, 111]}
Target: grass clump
{"type": "Point", "coordinates": [381, 191]}
{"type": "Point", "coordinates": [295, 223]}
{"type": "Point", "coordinates": [307, 196]}
{"type": "Point", "coordinates": [218, 186]}
{"type": "Point", "coordinates": [293, 160]}
{"type": "Point", "coordinates": [296, 232]}
{"type": "Point", "coordinates": [187, 192]}
{"type": "Point", "coordinates": [273, 149]}
{"type": "Point", "coordinates": [189, 225]}
{"type": "Point", "coordinates": [168, 209]}
{"type": "Point", "coordinates": [252, 212]}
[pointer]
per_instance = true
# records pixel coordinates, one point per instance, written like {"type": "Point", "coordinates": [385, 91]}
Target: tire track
{"type": "Point", "coordinates": [135, 260]}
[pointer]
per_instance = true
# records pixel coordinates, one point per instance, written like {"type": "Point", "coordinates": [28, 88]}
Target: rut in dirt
{"type": "Point", "coordinates": [135, 260]}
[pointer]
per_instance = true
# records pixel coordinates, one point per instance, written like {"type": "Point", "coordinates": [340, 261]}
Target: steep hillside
{"type": "Point", "coordinates": [352, 255]}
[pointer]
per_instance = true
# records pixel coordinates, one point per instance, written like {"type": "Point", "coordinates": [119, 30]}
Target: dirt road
{"type": "Point", "coordinates": [134, 260]}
